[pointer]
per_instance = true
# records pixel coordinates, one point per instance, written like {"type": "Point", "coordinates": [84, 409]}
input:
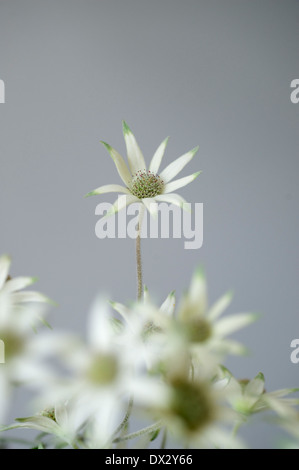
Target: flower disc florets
{"type": "Point", "coordinates": [146, 184]}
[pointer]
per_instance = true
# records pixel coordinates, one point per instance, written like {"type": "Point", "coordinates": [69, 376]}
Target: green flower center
{"type": "Point", "coordinates": [198, 330]}
{"type": "Point", "coordinates": [191, 403]}
{"type": "Point", "coordinates": [146, 184]}
{"type": "Point", "coordinates": [103, 369]}
{"type": "Point", "coordinates": [13, 344]}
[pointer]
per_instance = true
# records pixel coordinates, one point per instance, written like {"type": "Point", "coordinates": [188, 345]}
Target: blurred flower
{"type": "Point", "coordinates": [12, 287]}
{"type": "Point", "coordinates": [249, 396]}
{"type": "Point", "coordinates": [204, 329]}
{"type": "Point", "coordinates": [59, 421]}
{"type": "Point", "coordinates": [142, 184]}
{"type": "Point", "coordinates": [19, 314]}
{"type": "Point", "coordinates": [97, 378]}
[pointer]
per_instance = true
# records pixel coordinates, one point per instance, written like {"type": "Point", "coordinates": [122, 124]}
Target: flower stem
{"type": "Point", "coordinates": [138, 255]}
{"type": "Point", "coordinates": [146, 430]}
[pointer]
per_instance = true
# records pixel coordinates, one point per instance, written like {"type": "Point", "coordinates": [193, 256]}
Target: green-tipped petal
{"type": "Point", "coordinates": [168, 305]}
{"type": "Point", "coordinates": [180, 183]}
{"type": "Point", "coordinates": [109, 188]}
{"type": "Point", "coordinates": [175, 167]}
{"type": "Point", "coordinates": [232, 323]}
{"type": "Point", "coordinates": [256, 386]}
{"type": "Point", "coordinates": [18, 283]}
{"type": "Point", "coordinates": [119, 163]}
{"type": "Point", "coordinates": [197, 294]}
{"type": "Point", "coordinates": [220, 306]}
{"type": "Point", "coordinates": [135, 157]}
{"type": "Point", "coordinates": [31, 296]}
{"type": "Point", "coordinates": [5, 262]}
{"type": "Point", "coordinates": [158, 155]}
{"type": "Point", "coordinates": [122, 310]}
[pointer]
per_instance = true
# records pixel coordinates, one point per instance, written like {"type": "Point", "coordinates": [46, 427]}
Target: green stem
{"type": "Point", "coordinates": [126, 418]}
{"type": "Point", "coordinates": [146, 430]}
{"type": "Point", "coordinates": [138, 255]}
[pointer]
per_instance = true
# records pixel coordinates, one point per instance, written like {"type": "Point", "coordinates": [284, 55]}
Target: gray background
{"type": "Point", "coordinates": [212, 73]}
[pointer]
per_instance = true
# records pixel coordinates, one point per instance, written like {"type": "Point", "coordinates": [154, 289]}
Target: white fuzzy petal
{"type": "Point", "coordinates": [158, 155]}
{"type": "Point", "coordinates": [135, 157]}
{"type": "Point", "coordinates": [180, 183]}
{"type": "Point", "coordinates": [109, 188]}
{"type": "Point", "coordinates": [119, 163]}
{"type": "Point", "coordinates": [175, 167]}
{"type": "Point", "coordinates": [5, 263]}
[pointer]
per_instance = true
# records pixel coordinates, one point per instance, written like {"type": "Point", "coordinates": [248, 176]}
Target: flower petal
{"type": "Point", "coordinates": [18, 283]}
{"type": "Point", "coordinates": [197, 293]}
{"type": "Point", "coordinates": [121, 202]}
{"type": "Point", "coordinates": [30, 296]}
{"type": "Point", "coordinates": [122, 310]}
{"type": "Point", "coordinates": [232, 323]}
{"type": "Point", "coordinates": [173, 198]}
{"type": "Point", "coordinates": [256, 386]}
{"type": "Point", "coordinates": [109, 188]}
{"type": "Point", "coordinates": [168, 304]}
{"type": "Point", "coordinates": [158, 155]}
{"type": "Point", "coordinates": [220, 306]}
{"type": "Point", "coordinates": [175, 167]}
{"type": "Point", "coordinates": [5, 263]}
{"type": "Point", "coordinates": [151, 206]}
{"type": "Point", "coordinates": [180, 183]}
{"type": "Point", "coordinates": [119, 163]}
{"type": "Point", "coordinates": [135, 157]}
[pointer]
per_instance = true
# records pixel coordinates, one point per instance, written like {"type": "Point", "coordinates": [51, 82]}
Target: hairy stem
{"type": "Point", "coordinates": [138, 255]}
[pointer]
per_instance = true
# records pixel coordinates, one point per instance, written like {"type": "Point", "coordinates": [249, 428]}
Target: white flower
{"type": "Point", "coordinates": [12, 287]}
{"type": "Point", "coordinates": [144, 184]}
{"type": "Point", "coordinates": [60, 421]}
{"type": "Point", "coordinates": [249, 396]}
{"type": "Point", "coordinates": [21, 351]}
{"type": "Point", "coordinates": [98, 378]}
{"type": "Point", "coordinates": [202, 325]}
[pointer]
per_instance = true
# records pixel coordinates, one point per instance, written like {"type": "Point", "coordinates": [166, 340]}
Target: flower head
{"type": "Point", "coordinates": [142, 184]}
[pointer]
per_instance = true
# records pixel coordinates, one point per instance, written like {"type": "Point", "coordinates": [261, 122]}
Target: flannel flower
{"type": "Point", "coordinates": [21, 349]}
{"type": "Point", "coordinates": [142, 184]}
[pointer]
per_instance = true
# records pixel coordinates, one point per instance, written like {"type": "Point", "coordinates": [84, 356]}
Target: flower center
{"type": "Point", "coordinates": [146, 184]}
{"type": "Point", "coordinates": [198, 330]}
{"type": "Point", "coordinates": [103, 369]}
{"type": "Point", "coordinates": [191, 403]}
{"type": "Point", "coordinates": [13, 344]}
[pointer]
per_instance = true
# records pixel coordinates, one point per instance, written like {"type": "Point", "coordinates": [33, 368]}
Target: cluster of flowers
{"type": "Point", "coordinates": [159, 364]}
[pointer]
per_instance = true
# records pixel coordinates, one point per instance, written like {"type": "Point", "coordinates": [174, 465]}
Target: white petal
{"type": "Point", "coordinates": [119, 163]}
{"type": "Point", "coordinates": [146, 296]}
{"type": "Point", "coordinates": [197, 293]}
{"type": "Point", "coordinates": [232, 323]}
{"type": "Point", "coordinates": [256, 386]}
{"type": "Point", "coordinates": [99, 329]}
{"type": "Point", "coordinates": [5, 263]}
{"type": "Point", "coordinates": [175, 167]}
{"type": "Point", "coordinates": [151, 206]}
{"type": "Point", "coordinates": [122, 310]}
{"type": "Point", "coordinates": [168, 304]}
{"type": "Point", "coordinates": [121, 202]}
{"type": "Point", "coordinates": [109, 188]}
{"type": "Point", "coordinates": [173, 198]}
{"type": "Point", "coordinates": [180, 183]}
{"type": "Point", "coordinates": [220, 306]}
{"type": "Point", "coordinates": [30, 296]}
{"type": "Point", "coordinates": [18, 283]}
{"type": "Point", "coordinates": [135, 157]}
{"type": "Point", "coordinates": [158, 155]}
